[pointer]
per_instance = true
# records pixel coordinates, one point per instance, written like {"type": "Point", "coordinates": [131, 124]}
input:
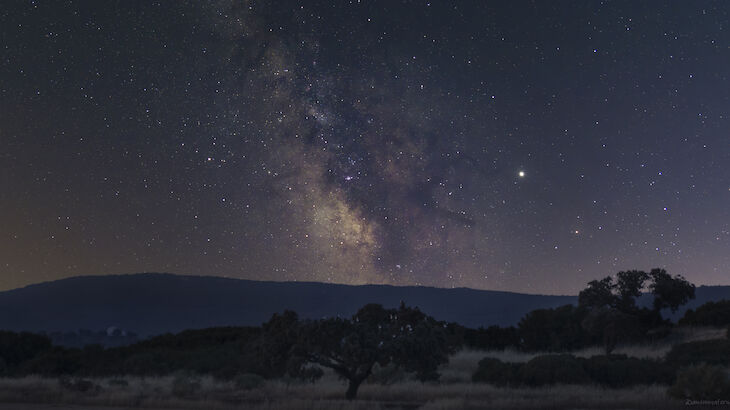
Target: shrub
{"type": "Point", "coordinates": [55, 362]}
{"type": "Point", "coordinates": [709, 314]}
{"type": "Point", "coordinates": [496, 372]}
{"type": "Point", "coordinates": [553, 369]}
{"type": "Point", "coordinates": [701, 382]}
{"type": "Point", "coordinates": [185, 385]}
{"type": "Point", "coordinates": [715, 351]}
{"type": "Point", "coordinates": [18, 348]}
{"type": "Point", "coordinates": [554, 330]}
{"type": "Point", "coordinates": [622, 371]}
{"type": "Point", "coordinates": [491, 338]}
{"type": "Point", "coordinates": [248, 381]}
{"type": "Point", "coordinates": [78, 385]}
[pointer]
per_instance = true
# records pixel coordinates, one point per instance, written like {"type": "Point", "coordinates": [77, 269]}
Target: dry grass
{"type": "Point", "coordinates": [454, 391]}
{"type": "Point", "coordinates": [506, 355]}
{"type": "Point", "coordinates": [643, 351]}
{"type": "Point", "coordinates": [327, 395]}
{"type": "Point", "coordinates": [685, 334]}
{"type": "Point", "coordinates": [558, 397]}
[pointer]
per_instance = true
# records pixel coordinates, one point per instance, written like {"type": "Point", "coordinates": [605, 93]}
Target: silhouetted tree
{"type": "Point", "coordinates": [16, 348]}
{"type": "Point", "coordinates": [491, 338]}
{"type": "Point", "coordinates": [404, 336]}
{"type": "Point", "coordinates": [709, 314]}
{"type": "Point", "coordinates": [274, 349]}
{"type": "Point", "coordinates": [621, 294]}
{"type": "Point", "coordinates": [611, 326]}
{"type": "Point", "coordinates": [599, 294]}
{"type": "Point", "coordinates": [554, 330]}
{"type": "Point", "coordinates": [670, 292]}
{"type": "Point", "coordinates": [614, 316]}
{"type": "Point", "coordinates": [629, 285]}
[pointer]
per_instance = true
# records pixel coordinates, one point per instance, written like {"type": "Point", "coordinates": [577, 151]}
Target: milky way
{"type": "Point", "coordinates": [520, 146]}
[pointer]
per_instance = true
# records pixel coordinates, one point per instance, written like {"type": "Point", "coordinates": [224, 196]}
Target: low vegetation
{"type": "Point", "coordinates": [605, 370]}
{"type": "Point", "coordinates": [400, 358]}
{"type": "Point", "coordinates": [710, 314]}
{"type": "Point", "coordinates": [326, 394]}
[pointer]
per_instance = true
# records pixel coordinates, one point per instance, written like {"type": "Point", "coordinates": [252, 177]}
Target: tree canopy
{"type": "Point", "coordinates": [351, 347]}
{"type": "Point", "coordinates": [621, 293]}
{"type": "Point", "coordinates": [613, 314]}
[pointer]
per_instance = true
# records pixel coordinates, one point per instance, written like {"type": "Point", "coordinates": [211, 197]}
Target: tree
{"type": "Point", "coordinates": [621, 294]}
{"type": "Point", "coordinates": [614, 316]}
{"type": "Point", "coordinates": [709, 314]}
{"type": "Point", "coordinates": [629, 285]}
{"type": "Point", "coordinates": [670, 292]}
{"type": "Point", "coordinates": [555, 330]}
{"type": "Point", "coordinates": [273, 352]}
{"type": "Point", "coordinates": [404, 336]}
{"type": "Point", "coordinates": [17, 348]}
{"type": "Point", "coordinates": [610, 327]}
{"type": "Point", "coordinates": [598, 294]}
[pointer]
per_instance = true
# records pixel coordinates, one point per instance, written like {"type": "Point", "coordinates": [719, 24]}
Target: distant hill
{"type": "Point", "coordinates": [154, 303]}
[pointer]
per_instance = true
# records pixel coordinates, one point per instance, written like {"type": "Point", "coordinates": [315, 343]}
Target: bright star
{"type": "Point", "coordinates": [521, 174]}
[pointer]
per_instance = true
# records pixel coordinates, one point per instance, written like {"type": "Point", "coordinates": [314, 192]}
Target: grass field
{"type": "Point", "coordinates": [454, 390]}
{"type": "Point", "coordinates": [327, 395]}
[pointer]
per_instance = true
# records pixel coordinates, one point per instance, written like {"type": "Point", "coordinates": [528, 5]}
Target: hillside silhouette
{"type": "Point", "coordinates": [154, 303]}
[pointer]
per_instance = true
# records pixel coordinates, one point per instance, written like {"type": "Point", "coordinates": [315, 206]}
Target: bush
{"type": "Point", "coordinates": [491, 338]}
{"type": "Point", "coordinates": [553, 369]}
{"type": "Point", "coordinates": [554, 330]}
{"type": "Point", "coordinates": [18, 348]}
{"type": "Point", "coordinates": [56, 362]}
{"type": "Point", "coordinates": [611, 370]}
{"type": "Point", "coordinates": [78, 385]}
{"type": "Point", "coordinates": [248, 381]}
{"type": "Point", "coordinates": [709, 314]}
{"type": "Point", "coordinates": [701, 382]}
{"type": "Point", "coordinates": [706, 351]}
{"type": "Point", "coordinates": [622, 371]}
{"type": "Point", "coordinates": [496, 372]}
{"type": "Point", "coordinates": [185, 386]}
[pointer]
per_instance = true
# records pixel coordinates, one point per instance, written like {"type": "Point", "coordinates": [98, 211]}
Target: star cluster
{"type": "Point", "coordinates": [514, 146]}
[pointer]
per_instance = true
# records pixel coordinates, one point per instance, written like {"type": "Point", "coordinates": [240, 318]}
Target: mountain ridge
{"type": "Point", "coordinates": [154, 303]}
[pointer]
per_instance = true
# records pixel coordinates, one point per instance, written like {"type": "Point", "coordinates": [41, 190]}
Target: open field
{"type": "Point", "coordinates": [384, 391]}
{"type": "Point", "coordinates": [157, 393]}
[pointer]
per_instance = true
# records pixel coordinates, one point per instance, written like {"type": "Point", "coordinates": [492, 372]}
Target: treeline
{"type": "Point", "coordinates": [285, 347]}
{"type": "Point", "coordinates": [709, 314]}
{"type": "Point", "coordinates": [606, 315]}
{"type": "Point", "coordinates": [289, 348]}
{"type": "Point", "coordinates": [112, 337]}
{"type": "Point", "coordinates": [693, 370]}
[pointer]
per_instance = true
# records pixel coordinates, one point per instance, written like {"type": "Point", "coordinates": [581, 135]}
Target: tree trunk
{"type": "Point", "coordinates": [352, 387]}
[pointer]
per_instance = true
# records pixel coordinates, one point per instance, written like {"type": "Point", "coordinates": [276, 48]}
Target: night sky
{"type": "Point", "coordinates": [521, 146]}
